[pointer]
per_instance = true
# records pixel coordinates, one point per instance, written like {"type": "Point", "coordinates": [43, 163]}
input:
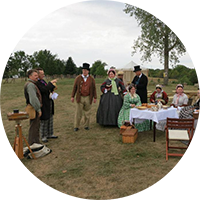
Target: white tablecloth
{"type": "Point", "coordinates": [155, 116]}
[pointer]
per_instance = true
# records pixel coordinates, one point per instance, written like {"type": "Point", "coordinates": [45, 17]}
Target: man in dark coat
{"type": "Point", "coordinates": [140, 81]}
{"type": "Point", "coordinates": [46, 120]}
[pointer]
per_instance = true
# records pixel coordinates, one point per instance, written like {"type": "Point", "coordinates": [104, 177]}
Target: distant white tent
{"type": "Point", "coordinates": [128, 72]}
{"type": "Point", "coordinates": [129, 66]}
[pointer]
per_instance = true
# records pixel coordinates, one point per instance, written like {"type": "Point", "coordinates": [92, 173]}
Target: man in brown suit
{"type": "Point", "coordinates": [85, 91]}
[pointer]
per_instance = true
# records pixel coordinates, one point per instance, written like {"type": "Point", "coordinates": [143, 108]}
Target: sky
{"type": "Point", "coordinates": [90, 31]}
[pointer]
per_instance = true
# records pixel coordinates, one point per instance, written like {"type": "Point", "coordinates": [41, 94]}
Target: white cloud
{"type": "Point", "coordinates": [88, 31]}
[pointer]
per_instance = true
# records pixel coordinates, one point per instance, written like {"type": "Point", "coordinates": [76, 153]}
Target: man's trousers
{"type": "Point", "coordinates": [83, 106]}
{"type": "Point", "coordinates": [34, 134]}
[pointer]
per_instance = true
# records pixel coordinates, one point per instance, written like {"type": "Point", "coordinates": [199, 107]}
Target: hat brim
{"type": "Point", "coordinates": [159, 88]}
{"type": "Point", "coordinates": [137, 70]}
{"type": "Point", "coordinates": [85, 68]}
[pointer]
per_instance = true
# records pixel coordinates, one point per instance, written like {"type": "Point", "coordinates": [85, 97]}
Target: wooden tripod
{"type": "Point", "coordinates": [18, 143]}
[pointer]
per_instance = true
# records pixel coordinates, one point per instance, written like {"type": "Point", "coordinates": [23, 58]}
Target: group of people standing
{"type": "Point", "coordinates": [114, 106]}
{"type": "Point", "coordinates": [38, 95]}
{"type": "Point", "coordinates": [115, 101]}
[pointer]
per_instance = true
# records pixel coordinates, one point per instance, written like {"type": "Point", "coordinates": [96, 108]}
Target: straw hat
{"type": "Point", "coordinates": [55, 86]}
{"type": "Point", "coordinates": [120, 73]}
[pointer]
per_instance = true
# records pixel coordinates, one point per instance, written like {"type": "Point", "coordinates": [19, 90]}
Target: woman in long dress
{"type": "Point", "coordinates": [111, 100]}
{"type": "Point", "coordinates": [132, 100]}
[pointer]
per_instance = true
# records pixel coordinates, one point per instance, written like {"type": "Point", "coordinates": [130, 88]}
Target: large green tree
{"type": "Point", "coordinates": [79, 70]}
{"type": "Point", "coordinates": [46, 60]}
{"type": "Point", "coordinates": [98, 68]}
{"type": "Point", "coordinates": [70, 67]}
{"type": "Point", "coordinates": [156, 39]}
{"type": "Point", "coordinates": [59, 66]}
{"type": "Point", "coordinates": [18, 63]}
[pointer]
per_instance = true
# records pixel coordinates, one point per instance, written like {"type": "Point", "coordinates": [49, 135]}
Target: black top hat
{"type": "Point", "coordinates": [86, 66]}
{"type": "Point", "coordinates": [137, 68]}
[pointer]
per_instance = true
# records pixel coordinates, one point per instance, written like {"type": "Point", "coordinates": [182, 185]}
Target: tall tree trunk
{"type": "Point", "coordinates": [166, 57]}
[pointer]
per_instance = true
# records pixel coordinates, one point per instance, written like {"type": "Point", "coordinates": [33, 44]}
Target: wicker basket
{"type": "Point", "coordinates": [122, 129]}
{"type": "Point", "coordinates": [130, 135]}
{"type": "Point", "coordinates": [125, 126]}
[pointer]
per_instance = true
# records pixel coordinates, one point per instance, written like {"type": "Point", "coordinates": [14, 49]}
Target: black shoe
{"type": "Point", "coordinates": [87, 128]}
{"type": "Point", "coordinates": [44, 140]}
{"type": "Point", "coordinates": [52, 137]}
{"type": "Point", "coordinates": [76, 129]}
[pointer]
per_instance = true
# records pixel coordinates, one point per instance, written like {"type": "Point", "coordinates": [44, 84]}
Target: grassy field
{"type": "Point", "coordinates": [92, 164]}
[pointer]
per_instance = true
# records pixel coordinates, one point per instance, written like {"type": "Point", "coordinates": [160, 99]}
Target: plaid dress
{"type": "Point", "coordinates": [186, 112]}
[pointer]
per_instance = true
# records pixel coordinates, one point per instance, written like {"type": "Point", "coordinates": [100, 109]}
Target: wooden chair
{"type": "Point", "coordinates": [178, 130]}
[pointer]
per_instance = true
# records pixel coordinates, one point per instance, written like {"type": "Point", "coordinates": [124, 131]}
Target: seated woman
{"type": "Point", "coordinates": [130, 101]}
{"type": "Point", "coordinates": [111, 100]}
{"type": "Point", "coordinates": [180, 98]}
{"type": "Point", "coordinates": [187, 112]}
{"type": "Point", "coordinates": [159, 95]}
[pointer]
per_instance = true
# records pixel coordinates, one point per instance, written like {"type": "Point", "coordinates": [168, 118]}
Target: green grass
{"type": "Point", "coordinates": [92, 164]}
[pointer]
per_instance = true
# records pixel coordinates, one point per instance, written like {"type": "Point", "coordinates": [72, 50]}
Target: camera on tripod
{"type": "Point", "coordinates": [17, 116]}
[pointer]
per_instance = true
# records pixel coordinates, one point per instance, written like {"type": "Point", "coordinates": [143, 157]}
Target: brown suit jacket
{"type": "Point", "coordinates": [77, 89]}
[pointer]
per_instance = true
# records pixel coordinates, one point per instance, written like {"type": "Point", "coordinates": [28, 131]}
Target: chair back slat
{"type": "Point", "coordinates": [180, 123]}
{"type": "Point", "coordinates": [183, 124]}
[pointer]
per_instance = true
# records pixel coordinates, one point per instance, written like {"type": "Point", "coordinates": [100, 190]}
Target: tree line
{"type": "Point", "coordinates": [180, 72]}
{"type": "Point", "coordinates": [19, 63]}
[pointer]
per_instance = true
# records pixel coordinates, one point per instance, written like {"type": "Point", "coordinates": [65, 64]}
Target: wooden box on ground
{"type": "Point", "coordinates": [130, 135]}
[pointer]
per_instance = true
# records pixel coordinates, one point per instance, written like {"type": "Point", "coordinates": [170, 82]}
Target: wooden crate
{"type": "Point", "coordinates": [130, 135]}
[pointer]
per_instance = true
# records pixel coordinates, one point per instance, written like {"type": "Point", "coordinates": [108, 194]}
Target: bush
{"type": "Point", "coordinates": [184, 80]}
{"type": "Point", "coordinates": [193, 76]}
{"type": "Point", "coordinates": [175, 82]}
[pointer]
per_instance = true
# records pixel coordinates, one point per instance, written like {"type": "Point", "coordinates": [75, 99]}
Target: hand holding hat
{"type": "Point", "coordinates": [54, 83]}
